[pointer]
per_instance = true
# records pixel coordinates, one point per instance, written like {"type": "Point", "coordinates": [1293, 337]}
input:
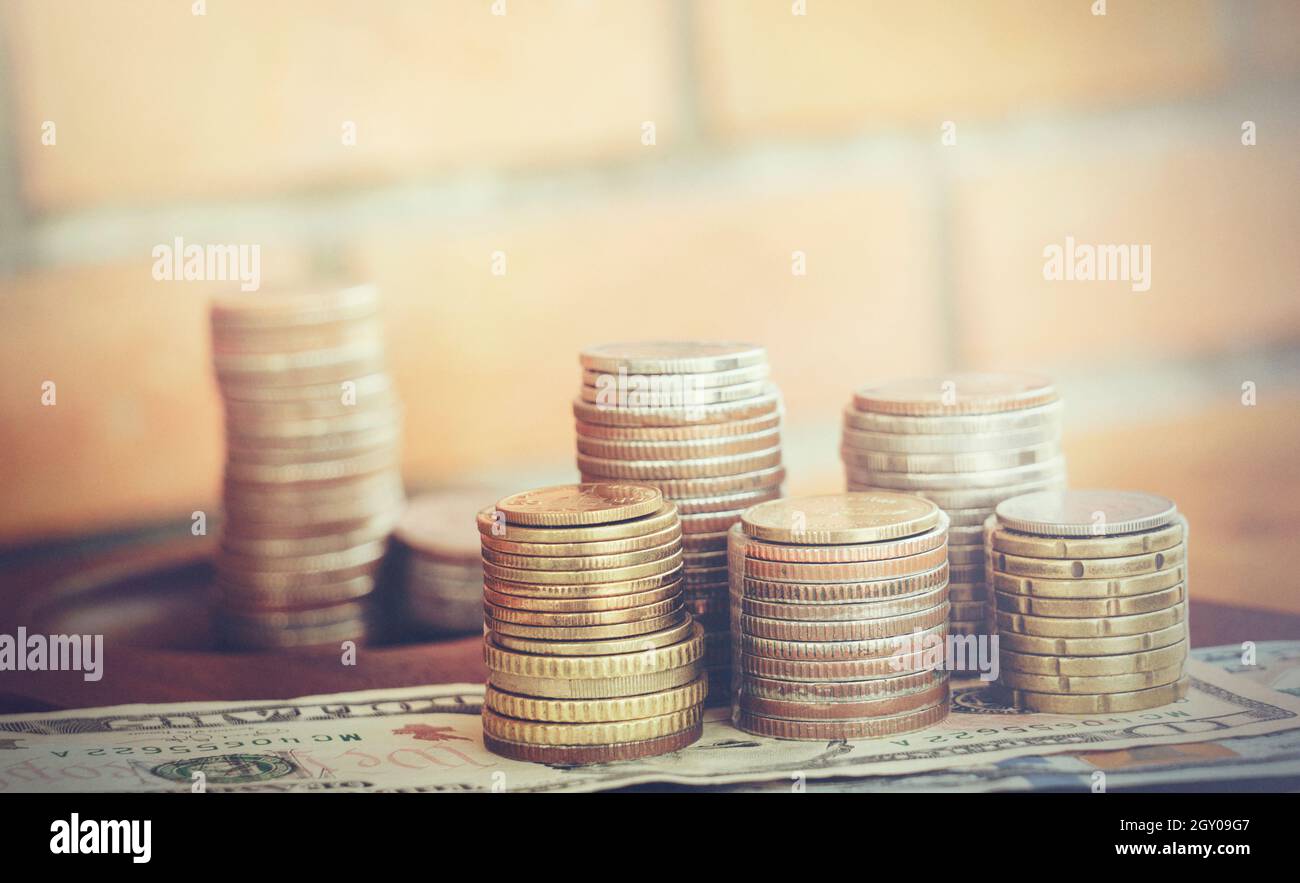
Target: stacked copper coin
{"type": "Point", "coordinates": [700, 422]}
{"type": "Point", "coordinates": [591, 655]}
{"type": "Point", "coordinates": [312, 487]}
{"type": "Point", "coordinates": [840, 615]}
{"type": "Point", "coordinates": [439, 584]}
{"type": "Point", "coordinates": [966, 442]}
{"type": "Point", "coordinates": [1090, 591]}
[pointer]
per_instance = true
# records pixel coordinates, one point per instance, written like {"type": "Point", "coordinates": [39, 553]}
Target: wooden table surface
{"type": "Point", "coordinates": [146, 594]}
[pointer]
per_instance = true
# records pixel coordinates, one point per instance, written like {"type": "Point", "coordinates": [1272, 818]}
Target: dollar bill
{"type": "Point", "coordinates": [429, 739]}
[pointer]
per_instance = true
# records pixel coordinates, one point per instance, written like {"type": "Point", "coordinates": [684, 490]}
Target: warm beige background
{"type": "Point", "coordinates": [775, 133]}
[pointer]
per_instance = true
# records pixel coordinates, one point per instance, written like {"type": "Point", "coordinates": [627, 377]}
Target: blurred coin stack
{"type": "Point", "coordinates": [591, 655]}
{"type": "Point", "coordinates": [312, 487]}
{"type": "Point", "coordinates": [700, 422]}
{"type": "Point", "coordinates": [966, 442]}
{"type": "Point", "coordinates": [840, 614]}
{"type": "Point", "coordinates": [439, 571]}
{"type": "Point", "coordinates": [1090, 590]}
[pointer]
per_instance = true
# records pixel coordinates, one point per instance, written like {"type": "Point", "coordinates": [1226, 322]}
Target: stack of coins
{"type": "Point", "coordinates": [966, 442]}
{"type": "Point", "coordinates": [1090, 592]}
{"type": "Point", "coordinates": [840, 612]}
{"type": "Point", "coordinates": [700, 422]}
{"type": "Point", "coordinates": [591, 655]}
{"type": "Point", "coordinates": [439, 572]}
{"type": "Point", "coordinates": [312, 487]}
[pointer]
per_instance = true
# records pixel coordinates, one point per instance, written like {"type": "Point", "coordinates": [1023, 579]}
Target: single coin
{"type": "Point", "coordinates": [689, 508]}
{"type": "Point", "coordinates": [689, 433]}
{"type": "Point", "coordinates": [690, 415]}
{"type": "Point", "coordinates": [570, 505]}
{"type": "Point", "coordinates": [582, 562]}
{"type": "Point", "coordinates": [843, 630]}
{"type": "Point", "coordinates": [824, 650]}
{"type": "Point", "coordinates": [322, 593]}
{"type": "Point", "coordinates": [933, 538]}
{"type": "Point", "coordinates": [1090, 588]}
{"type": "Point", "coordinates": [581, 605]}
{"type": "Point", "coordinates": [968, 424]}
{"type": "Point", "coordinates": [668, 534]}
{"type": "Point", "coordinates": [597, 710]}
{"type": "Point", "coordinates": [585, 619]}
{"type": "Point", "coordinates": [704, 544]}
{"type": "Point", "coordinates": [822, 731]}
{"type": "Point", "coordinates": [1096, 627]}
{"type": "Point", "coordinates": [1091, 607]}
{"type": "Point", "coordinates": [587, 633]}
{"type": "Point", "coordinates": [965, 463]}
{"type": "Point", "coordinates": [671, 357]}
{"type": "Point", "coordinates": [826, 674]}
{"type": "Point", "coordinates": [671, 649]}
{"type": "Point", "coordinates": [596, 688]}
{"type": "Point", "coordinates": [711, 522]}
{"type": "Point", "coordinates": [966, 554]}
{"type": "Point", "coordinates": [1125, 683]}
{"type": "Point", "coordinates": [951, 443]}
{"type": "Point", "coordinates": [853, 709]}
{"type": "Point", "coordinates": [842, 691]}
{"type": "Point", "coordinates": [727, 484]}
{"type": "Point", "coordinates": [662, 391]}
{"type": "Point", "coordinates": [1085, 513]}
{"type": "Point", "coordinates": [1031, 546]}
{"type": "Point", "coordinates": [862, 610]}
{"type": "Point", "coordinates": [982, 393]}
{"type": "Point", "coordinates": [1094, 666]}
{"type": "Point", "coordinates": [724, 446]}
{"type": "Point", "coordinates": [969, 499]}
{"type": "Point", "coordinates": [559, 647]}
{"type": "Point", "coordinates": [961, 519]}
{"type": "Point", "coordinates": [1088, 568]}
{"type": "Point", "coordinates": [577, 755]}
{"type": "Point", "coordinates": [1105, 703]}
{"type": "Point", "coordinates": [603, 733]}
{"type": "Point", "coordinates": [438, 525]}
{"type": "Point", "coordinates": [966, 573]}
{"type": "Point", "coordinates": [847, 572]}
{"type": "Point", "coordinates": [589, 590]}
{"type": "Point", "coordinates": [959, 481]}
{"type": "Point", "coordinates": [492, 524]}
{"type": "Point", "coordinates": [968, 611]}
{"type": "Point", "coordinates": [712, 467]}
{"type": "Point", "coordinates": [1110, 646]}
{"type": "Point", "coordinates": [584, 577]}
{"type": "Point", "coordinates": [844, 592]}
{"type": "Point", "coordinates": [698, 379]}
{"type": "Point", "coordinates": [840, 518]}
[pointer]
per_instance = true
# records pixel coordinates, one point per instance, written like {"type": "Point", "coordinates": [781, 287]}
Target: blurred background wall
{"type": "Point", "coordinates": [649, 168]}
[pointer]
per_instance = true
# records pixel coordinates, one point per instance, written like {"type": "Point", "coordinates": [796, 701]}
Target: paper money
{"type": "Point", "coordinates": [430, 739]}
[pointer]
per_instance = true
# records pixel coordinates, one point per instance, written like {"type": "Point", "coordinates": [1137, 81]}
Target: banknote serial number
{"type": "Point", "coordinates": [1153, 826]}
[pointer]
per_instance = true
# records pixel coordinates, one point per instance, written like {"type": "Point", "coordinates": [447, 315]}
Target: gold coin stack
{"type": "Point", "coordinates": [700, 422]}
{"type": "Point", "coordinates": [966, 442]}
{"type": "Point", "coordinates": [591, 655]}
{"type": "Point", "coordinates": [1090, 594]}
{"type": "Point", "coordinates": [312, 487]}
{"type": "Point", "coordinates": [440, 571]}
{"type": "Point", "coordinates": [838, 604]}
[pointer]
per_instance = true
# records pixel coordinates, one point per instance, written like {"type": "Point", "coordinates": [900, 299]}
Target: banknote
{"type": "Point", "coordinates": [428, 739]}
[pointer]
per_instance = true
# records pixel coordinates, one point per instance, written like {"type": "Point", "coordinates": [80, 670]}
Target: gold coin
{"type": "Point", "coordinates": [931, 539]}
{"type": "Point", "coordinates": [844, 592]}
{"type": "Point", "coordinates": [603, 733]}
{"type": "Point", "coordinates": [725, 484]}
{"type": "Point", "coordinates": [584, 577]}
{"type": "Point", "coordinates": [1104, 703]}
{"type": "Point", "coordinates": [671, 357]}
{"type": "Point", "coordinates": [565, 634]}
{"type": "Point", "coordinates": [840, 518]}
{"type": "Point", "coordinates": [821, 672]}
{"type": "Point", "coordinates": [1079, 513]}
{"type": "Point", "coordinates": [701, 432]}
{"type": "Point", "coordinates": [843, 630]}
{"type": "Point", "coordinates": [582, 562]}
{"type": "Point", "coordinates": [1110, 646]}
{"type": "Point", "coordinates": [1094, 666]}
{"type": "Point", "coordinates": [1048, 415]}
{"type": "Point", "coordinates": [725, 446]}
{"type": "Point", "coordinates": [984, 393]}
{"type": "Point", "coordinates": [588, 590]}
{"type": "Point", "coordinates": [492, 525]}
{"type": "Point", "coordinates": [862, 610]}
{"type": "Point", "coordinates": [1097, 627]}
{"type": "Point", "coordinates": [977, 461]}
{"type": "Point", "coordinates": [671, 649]}
{"type": "Point", "coordinates": [654, 610]}
{"type": "Point", "coordinates": [842, 691]}
{"type": "Point", "coordinates": [848, 572]}
{"type": "Point", "coordinates": [713, 467]}
{"type": "Point", "coordinates": [823, 731]}
{"type": "Point", "coordinates": [1030, 546]}
{"type": "Point", "coordinates": [572, 505]}
{"type": "Point", "coordinates": [575, 755]}
{"type": "Point", "coordinates": [1089, 568]}
{"type": "Point", "coordinates": [850, 709]}
{"type": "Point", "coordinates": [1090, 588]}
{"type": "Point", "coordinates": [668, 534]}
{"type": "Point", "coordinates": [597, 710]}
{"type": "Point", "coordinates": [690, 415]}
{"type": "Point", "coordinates": [1090, 607]}
{"type": "Point", "coordinates": [596, 688]}
{"type": "Point", "coordinates": [947, 443]}
{"type": "Point", "coordinates": [1069, 685]}
{"type": "Point", "coordinates": [967, 499]}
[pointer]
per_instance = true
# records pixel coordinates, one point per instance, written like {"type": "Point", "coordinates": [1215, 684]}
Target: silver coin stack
{"type": "Point", "coordinates": [966, 442]}
{"type": "Point", "coordinates": [700, 422]}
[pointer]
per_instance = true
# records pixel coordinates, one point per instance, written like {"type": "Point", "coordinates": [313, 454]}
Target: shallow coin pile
{"type": "Point", "coordinates": [1090, 593]}
{"type": "Point", "coordinates": [591, 655]}
{"type": "Point", "coordinates": [966, 442]}
{"type": "Point", "coordinates": [312, 488]}
{"type": "Point", "coordinates": [439, 584]}
{"type": "Point", "coordinates": [839, 603]}
{"type": "Point", "coordinates": [700, 422]}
